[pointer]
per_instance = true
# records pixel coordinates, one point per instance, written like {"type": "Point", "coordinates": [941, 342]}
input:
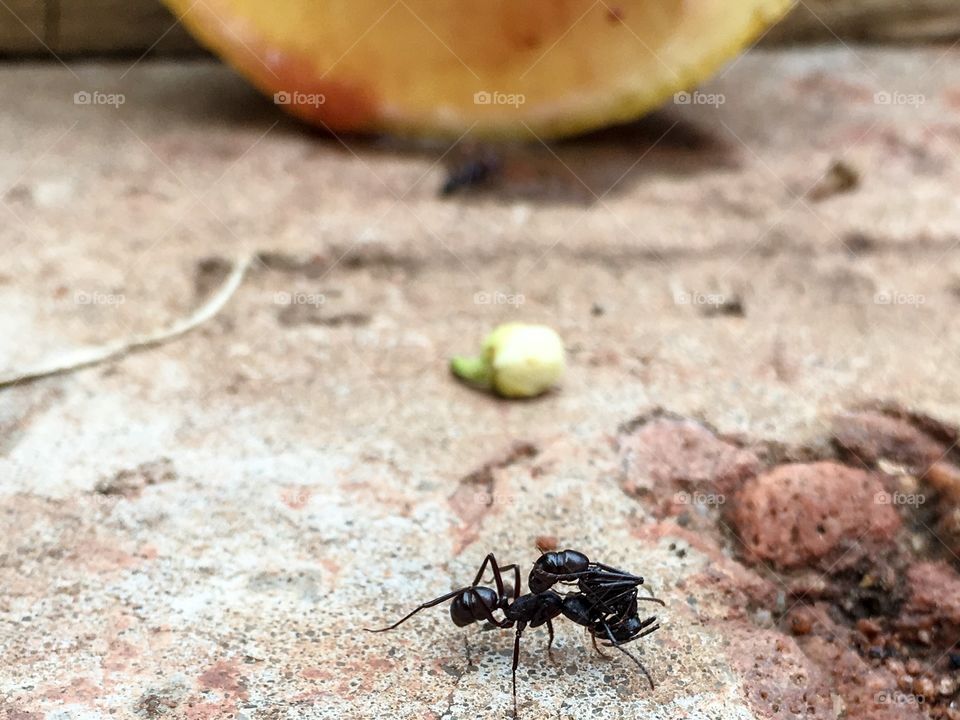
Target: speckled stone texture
{"type": "Point", "coordinates": [202, 530]}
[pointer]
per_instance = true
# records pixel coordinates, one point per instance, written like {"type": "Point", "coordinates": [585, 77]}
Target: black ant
{"type": "Point", "coordinates": [607, 586]}
{"type": "Point", "coordinates": [610, 590]}
{"type": "Point", "coordinates": [606, 605]}
{"type": "Point", "coordinates": [572, 566]}
{"type": "Point", "coordinates": [471, 172]}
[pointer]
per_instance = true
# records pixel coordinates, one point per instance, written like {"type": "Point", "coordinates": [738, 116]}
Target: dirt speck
{"type": "Point", "coordinates": [840, 178]}
{"type": "Point", "coordinates": [130, 483]}
{"type": "Point", "coordinates": [223, 676]}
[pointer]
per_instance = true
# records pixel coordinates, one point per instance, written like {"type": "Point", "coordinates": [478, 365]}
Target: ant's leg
{"type": "Point", "coordinates": [597, 647]}
{"type": "Point", "coordinates": [649, 621]}
{"type": "Point", "coordinates": [609, 580]}
{"type": "Point", "coordinates": [424, 606]}
{"type": "Point", "coordinates": [651, 598]}
{"type": "Point", "coordinates": [498, 574]}
{"type": "Point", "coordinates": [628, 587]}
{"type": "Point", "coordinates": [648, 631]}
{"type": "Point", "coordinates": [550, 641]}
{"type": "Point", "coordinates": [608, 604]}
{"type": "Point", "coordinates": [488, 560]}
{"type": "Point", "coordinates": [645, 624]}
{"type": "Point", "coordinates": [516, 580]}
{"type": "Point", "coordinates": [620, 575]}
{"type": "Point", "coordinates": [516, 661]}
{"type": "Point", "coordinates": [613, 643]}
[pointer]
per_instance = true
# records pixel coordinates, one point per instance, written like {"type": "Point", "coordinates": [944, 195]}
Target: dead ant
{"type": "Point", "coordinates": [606, 604]}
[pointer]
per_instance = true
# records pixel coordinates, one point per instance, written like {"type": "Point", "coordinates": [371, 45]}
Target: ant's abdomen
{"type": "Point", "coordinates": [553, 567]}
{"type": "Point", "coordinates": [474, 605]}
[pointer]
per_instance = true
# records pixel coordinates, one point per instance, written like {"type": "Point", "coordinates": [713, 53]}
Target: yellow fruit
{"type": "Point", "coordinates": [491, 67]}
{"type": "Point", "coordinates": [518, 361]}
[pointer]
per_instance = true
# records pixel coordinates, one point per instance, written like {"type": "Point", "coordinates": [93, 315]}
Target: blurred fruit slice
{"type": "Point", "coordinates": [492, 67]}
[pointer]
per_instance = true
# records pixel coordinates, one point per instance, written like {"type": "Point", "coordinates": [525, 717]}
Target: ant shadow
{"type": "Point", "coordinates": [580, 170]}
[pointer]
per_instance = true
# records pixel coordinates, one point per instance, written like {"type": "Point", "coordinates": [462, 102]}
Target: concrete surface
{"type": "Point", "coordinates": [201, 530]}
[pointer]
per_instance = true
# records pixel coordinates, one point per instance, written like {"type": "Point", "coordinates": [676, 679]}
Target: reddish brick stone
{"type": "Point", "coordinates": [871, 436]}
{"type": "Point", "coordinates": [821, 514]}
{"type": "Point", "coordinates": [779, 681]}
{"type": "Point", "coordinates": [860, 690]}
{"type": "Point", "coordinates": [867, 693]}
{"type": "Point", "coordinates": [944, 479]}
{"type": "Point", "coordinates": [666, 455]}
{"type": "Point", "coordinates": [933, 602]}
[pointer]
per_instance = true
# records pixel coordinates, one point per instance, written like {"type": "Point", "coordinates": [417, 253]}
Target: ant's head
{"type": "Point", "coordinates": [630, 627]}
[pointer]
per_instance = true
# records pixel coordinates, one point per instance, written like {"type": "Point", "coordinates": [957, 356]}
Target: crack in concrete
{"type": "Point", "coordinates": [474, 496]}
{"type": "Point", "coordinates": [318, 264]}
{"type": "Point", "coordinates": [458, 679]}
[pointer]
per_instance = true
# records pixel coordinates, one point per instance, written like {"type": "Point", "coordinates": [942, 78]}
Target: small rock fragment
{"type": "Point", "coordinates": [801, 621]}
{"type": "Point", "coordinates": [839, 178]}
{"type": "Point", "coordinates": [547, 543]}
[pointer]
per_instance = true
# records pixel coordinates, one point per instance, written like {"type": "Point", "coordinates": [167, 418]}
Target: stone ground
{"type": "Point", "coordinates": [202, 529]}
